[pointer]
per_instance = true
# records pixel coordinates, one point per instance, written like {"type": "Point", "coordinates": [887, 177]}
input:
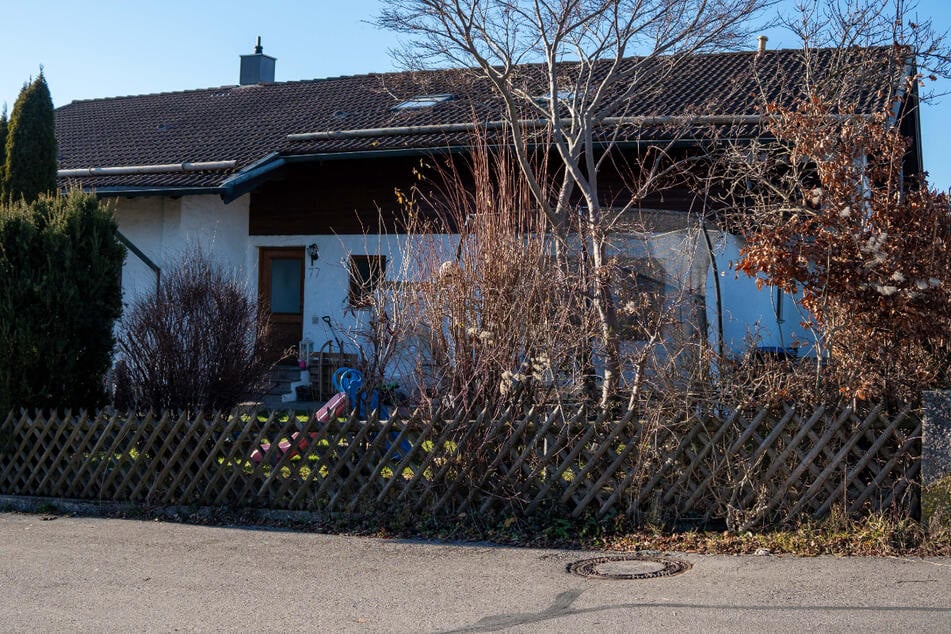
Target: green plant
{"type": "Point", "coordinates": [3, 145]}
{"type": "Point", "coordinates": [60, 295]}
{"type": "Point", "coordinates": [558, 529]}
{"type": "Point", "coordinates": [30, 145]}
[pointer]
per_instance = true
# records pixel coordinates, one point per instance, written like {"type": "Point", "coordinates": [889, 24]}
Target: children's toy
{"type": "Point", "coordinates": [348, 383]}
{"type": "Point", "coordinates": [336, 406]}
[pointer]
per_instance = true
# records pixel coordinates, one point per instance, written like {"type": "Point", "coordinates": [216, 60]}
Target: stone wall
{"type": "Point", "coordinates": [936, 460]}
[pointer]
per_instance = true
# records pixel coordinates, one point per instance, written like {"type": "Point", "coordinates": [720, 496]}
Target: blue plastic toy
{"type": "Point", "coordinates": [350, 382]}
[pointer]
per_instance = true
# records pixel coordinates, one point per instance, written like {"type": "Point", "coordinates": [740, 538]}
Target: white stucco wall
{"type": "Point", "coordinates": [165, 228]}
{"type": "Point", "coordinates": [327, 282]}
{"type": "Point", "coordinates": [327, 286]}
{"type": "Point", "coordinates": [142, 221]}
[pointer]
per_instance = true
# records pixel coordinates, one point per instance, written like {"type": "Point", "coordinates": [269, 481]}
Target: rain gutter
{"type": "Point", "coordinates": [171, 192]}
{"type": "Point", "coordinates": [167, 168]}
{"type": "Point", "coordinates": [164, 168]}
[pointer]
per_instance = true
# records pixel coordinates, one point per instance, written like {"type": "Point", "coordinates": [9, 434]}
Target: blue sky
{"type": "Point", "coordinates": [107, 48]}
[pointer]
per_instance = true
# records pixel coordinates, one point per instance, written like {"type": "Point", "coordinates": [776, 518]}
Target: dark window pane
{"type": "Point", "coordinates": [285, 285]}
{"type": "Point", "coordinates": [367, 272]}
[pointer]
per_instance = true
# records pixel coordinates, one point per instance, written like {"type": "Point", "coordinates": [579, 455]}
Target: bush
{"type": "Point", "coordinates": [195, 344]}
{"type": "Point", "coordinates": [60, 295]}
{"type": "Point", "coordinates": [864, 249]}
{"type": "Point", "coordinates": [495, 319]}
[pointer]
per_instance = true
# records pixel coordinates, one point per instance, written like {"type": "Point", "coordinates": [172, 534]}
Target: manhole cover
{"type": "Point", "coordinates": [630, 566]}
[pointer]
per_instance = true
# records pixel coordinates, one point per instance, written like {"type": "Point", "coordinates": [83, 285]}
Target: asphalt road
{"type": "Point", "coordinates": [90, 574]}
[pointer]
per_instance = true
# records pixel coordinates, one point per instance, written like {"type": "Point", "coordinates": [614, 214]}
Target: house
{"type": "Point", "coordinates": [283, 180]}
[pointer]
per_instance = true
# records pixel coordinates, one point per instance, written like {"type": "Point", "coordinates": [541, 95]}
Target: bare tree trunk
{"type": "Point", "coordinates": [602, 287]}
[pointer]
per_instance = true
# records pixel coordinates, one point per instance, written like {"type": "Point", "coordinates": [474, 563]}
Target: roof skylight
{"type": "Point", "coordinates": [422, 101]}
{"type": "Point", "coordinates": [561, 95]}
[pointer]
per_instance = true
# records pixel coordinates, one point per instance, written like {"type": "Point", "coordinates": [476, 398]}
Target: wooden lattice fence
{"type": "Point", "coordinates": [748, 468]}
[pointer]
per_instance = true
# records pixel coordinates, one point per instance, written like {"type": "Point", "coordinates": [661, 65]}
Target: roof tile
{"type": "Point", "coordinates": [246, 123]}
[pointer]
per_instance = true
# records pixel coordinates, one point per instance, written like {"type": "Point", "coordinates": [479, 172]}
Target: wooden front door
{"type": "Point", "coordinates": [281, 293]}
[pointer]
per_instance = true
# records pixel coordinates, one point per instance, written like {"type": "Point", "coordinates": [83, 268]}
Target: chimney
{"type": "Point", "coordinates": [257, 68]}
{"type": "Point", "coordinates": [762, 39]}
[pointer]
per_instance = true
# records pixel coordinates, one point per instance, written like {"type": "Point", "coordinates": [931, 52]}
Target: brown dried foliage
{"type": "Point", "coordinates": [867, 253]}
{"type": "Point", "coordinates": [497, 318]}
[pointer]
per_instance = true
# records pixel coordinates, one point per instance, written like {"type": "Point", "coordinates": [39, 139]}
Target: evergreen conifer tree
{"type": "Point", "coordinates": [30, 166]}
{"type": "Point", "coordinates": [3, 147]}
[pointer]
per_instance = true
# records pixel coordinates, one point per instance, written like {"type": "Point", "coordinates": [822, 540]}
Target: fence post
{"type": "Point", "coordinates": [936, 460]}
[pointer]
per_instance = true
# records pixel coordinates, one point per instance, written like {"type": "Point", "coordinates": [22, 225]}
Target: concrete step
{"type": "Point", "coordinates": [279, 387]}
{"type": "Point", "coordinates": [280, 378]}
{"type": "Point", "coordinates": [275, 403]}
{"type": "Point", "coordinates": [278, 384]}
{"type": "Point", "coordinates": [284, 373]}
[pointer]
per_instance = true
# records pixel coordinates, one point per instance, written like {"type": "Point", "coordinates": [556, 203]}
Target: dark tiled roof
{"type": "Point", "coordinates": [247, 123]}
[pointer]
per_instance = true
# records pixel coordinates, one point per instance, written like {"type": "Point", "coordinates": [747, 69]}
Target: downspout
{"type": "Point", "coordinates": [144, 258]}
{"type": "Point", "coordinates": [716, 272]}
{"type": "Point", "coordinates": [716, 288]}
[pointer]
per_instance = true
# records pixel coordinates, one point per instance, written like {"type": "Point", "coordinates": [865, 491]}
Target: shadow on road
{"type": "Point", "coordinates": [562, 607]}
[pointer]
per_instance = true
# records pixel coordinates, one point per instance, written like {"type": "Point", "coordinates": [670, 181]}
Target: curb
{"type": "Point", "coordinates": [33, 504]}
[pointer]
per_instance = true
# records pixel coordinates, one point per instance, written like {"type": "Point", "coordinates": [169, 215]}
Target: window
{"type": "Point", "coordinates": [561, 95]}
{"type": "Point", "coordinates": [367, 273]}
{"type": "Point", "coordinates": [286, 276]}
{"type": "Point", "coordinates": [422, 101]}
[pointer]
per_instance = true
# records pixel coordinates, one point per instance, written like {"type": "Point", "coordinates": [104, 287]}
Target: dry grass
{"type": "Point", "coordinates": [875, 535]}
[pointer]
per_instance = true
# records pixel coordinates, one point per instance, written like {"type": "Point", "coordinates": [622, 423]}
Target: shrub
{"type": "Point", "coordinates": [195, 344]}
{"type": "Point", "coordinates": [867, 256]}
{"type": "Point", "coordinates": [495, 318]}
{"type": "Point", "coordinates": [60, 295]}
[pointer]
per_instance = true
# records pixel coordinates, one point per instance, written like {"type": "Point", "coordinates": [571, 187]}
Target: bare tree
{"type": "Point", "coordinates": [570, 70]}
